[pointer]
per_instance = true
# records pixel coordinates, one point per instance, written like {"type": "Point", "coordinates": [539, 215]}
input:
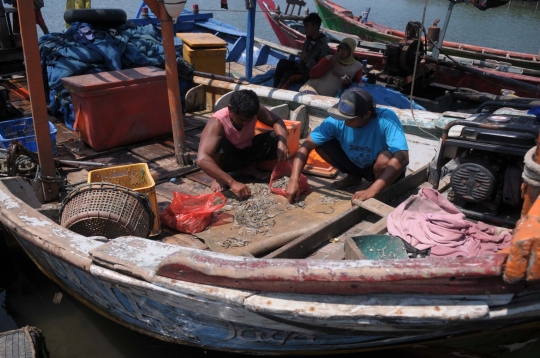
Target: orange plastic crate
{"type": "Point", "coordinates": [293, 140]}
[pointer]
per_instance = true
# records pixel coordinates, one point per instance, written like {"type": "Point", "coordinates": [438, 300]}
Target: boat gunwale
{"type": "Point", "coordinates": [399, 35]}
{"type": "Point", "coordinates": [75, 249]}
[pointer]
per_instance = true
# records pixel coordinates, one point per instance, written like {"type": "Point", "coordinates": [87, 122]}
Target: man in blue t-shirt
{"type": "Point", "coordinates": [359, 140]}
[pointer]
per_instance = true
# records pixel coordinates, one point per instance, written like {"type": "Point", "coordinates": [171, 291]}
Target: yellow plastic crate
{"type": "Point", "coordinates": [133, 176]}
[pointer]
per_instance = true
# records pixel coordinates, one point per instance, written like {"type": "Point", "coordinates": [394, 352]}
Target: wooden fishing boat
{"type": "Point", "coordinates": [291, 37]}
{"type": "Point", "coordinates": [340, 19]}
{"type": "Point", "coordinates": [180, 289]}
{"type": "Point", "coordinates": [438, 80]}
{"type": "Point", "coordinates": [187, 294]}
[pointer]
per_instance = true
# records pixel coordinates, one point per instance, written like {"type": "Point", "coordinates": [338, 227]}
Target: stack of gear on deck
{"type": "Point", "coordinates": [100, 49]}
{"type": "Point", "coordinates": [17, 160]}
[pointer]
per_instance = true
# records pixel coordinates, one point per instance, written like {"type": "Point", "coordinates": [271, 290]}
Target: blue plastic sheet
{"type": "Point", "coordinates": [111, 49]}
{"type": "Point", "coordinates": [386, 96]}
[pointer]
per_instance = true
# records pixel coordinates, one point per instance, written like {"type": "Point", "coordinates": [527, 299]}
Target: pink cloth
{"type": "Point", "coordinates": [429, 220]}
{"type": "Point", "coordinates": [240, 139]}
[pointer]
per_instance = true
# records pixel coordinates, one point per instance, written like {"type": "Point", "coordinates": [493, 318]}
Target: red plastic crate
{"type": "Point", "coordinates": [117, 108]}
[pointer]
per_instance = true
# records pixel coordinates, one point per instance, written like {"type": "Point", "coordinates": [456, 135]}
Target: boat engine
{"type": "Point", "coordinates": [400, 57]}
{"type": "Point", "coordinates": [488, 149]}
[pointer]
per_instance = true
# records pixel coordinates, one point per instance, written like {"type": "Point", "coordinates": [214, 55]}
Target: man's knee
{"type": "Point", "coordinates": [218, 158]}
{"type": "Point", "coordinates": [383, 158]}
{"type": "Point", "coordinates": [325, 151]}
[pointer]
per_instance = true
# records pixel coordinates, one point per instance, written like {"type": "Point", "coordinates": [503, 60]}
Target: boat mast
{"type": "Point", "coordinates": [48, 178]}
{"type": "Point", "coordinates": [251, 5]}
{"type": "Point", "coordinates": [173, 86]}
{"type": "Point", "coordinates": [435, 52]}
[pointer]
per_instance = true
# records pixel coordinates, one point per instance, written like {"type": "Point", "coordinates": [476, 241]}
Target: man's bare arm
{"type": "Point", "coordinates": [272, 120]}
{"type": "Point", "coordinates": [210, 138]}
{"type": "Point", "coordinates": [393, 170]}
{"type": "Point", "coordinates": [299, 162]}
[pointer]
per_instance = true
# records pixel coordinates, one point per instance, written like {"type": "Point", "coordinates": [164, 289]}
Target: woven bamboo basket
{"type": "Point", "coordinates": [109, 210]}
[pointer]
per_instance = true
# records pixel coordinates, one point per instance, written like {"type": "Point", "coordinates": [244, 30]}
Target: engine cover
{"type": "Point", "coordinates": [509, 138]}
{"type": "Point", "coordinates": [473, 182]}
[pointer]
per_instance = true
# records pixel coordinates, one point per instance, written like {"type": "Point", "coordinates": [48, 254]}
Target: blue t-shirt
{"type": "Point", "coordinates": [362, 145]}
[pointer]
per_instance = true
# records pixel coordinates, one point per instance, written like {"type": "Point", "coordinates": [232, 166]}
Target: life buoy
{"type": "Point", "coordinates": [98, 17]}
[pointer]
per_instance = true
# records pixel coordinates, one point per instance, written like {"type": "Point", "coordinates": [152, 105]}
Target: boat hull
{"type": "Point", "coordinates": [339, 19]}
{"type": "Point", "coordinates": [126, 288]}
{"type": "Point", "coordinates": [179, 318]}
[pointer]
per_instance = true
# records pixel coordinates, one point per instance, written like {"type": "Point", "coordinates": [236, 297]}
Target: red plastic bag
{"type": "Point", "coordinates": [191, 214]}
{"type": "Point", "coordinates": [285, 169]}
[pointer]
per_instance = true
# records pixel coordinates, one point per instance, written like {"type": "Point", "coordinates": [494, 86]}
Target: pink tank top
{"type": "Point", "coordinates": [240, 139]}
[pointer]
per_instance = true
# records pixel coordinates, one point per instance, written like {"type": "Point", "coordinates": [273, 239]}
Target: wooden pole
{"type": "Point", "coordinates": [173, 86]}
{"type": "Point", "coordinates": [40, 117]}
{"type": "Point", "coordinates": [250, 38]}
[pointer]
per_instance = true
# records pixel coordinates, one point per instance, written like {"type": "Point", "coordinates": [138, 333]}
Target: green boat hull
{"type": "Point", "coordinates": [334, 22]}
{"type": "Point", "coordinates": [338, 22]}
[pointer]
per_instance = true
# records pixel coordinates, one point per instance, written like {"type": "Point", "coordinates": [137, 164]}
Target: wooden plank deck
{"type": "Point", "coordinates": [158, 153]}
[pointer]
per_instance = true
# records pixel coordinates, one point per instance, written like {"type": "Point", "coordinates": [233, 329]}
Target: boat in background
{"type": "Point", "coordinates": [336, 17]}
{"type": "Point", "coordinates": [264, 52]}
{"type": "Point", "coordinates": [290, 33]}
{"type": "Point", "coordinates": [440, 85]}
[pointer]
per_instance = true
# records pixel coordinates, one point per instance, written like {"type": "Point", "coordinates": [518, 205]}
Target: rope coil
{"type": "Point", "coordinates": [531, 172]}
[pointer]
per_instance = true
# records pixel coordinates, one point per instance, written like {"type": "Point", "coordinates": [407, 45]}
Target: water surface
{"type": "Point", "coordinates": [512, 27]}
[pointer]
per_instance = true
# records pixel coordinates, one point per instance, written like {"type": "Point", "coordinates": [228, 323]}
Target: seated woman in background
{"type": "Point", "coordinates": [335, 72]}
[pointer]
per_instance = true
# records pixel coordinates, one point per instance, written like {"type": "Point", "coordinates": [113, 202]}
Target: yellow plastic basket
{"type": "Point", "coordinates": [133, 176]}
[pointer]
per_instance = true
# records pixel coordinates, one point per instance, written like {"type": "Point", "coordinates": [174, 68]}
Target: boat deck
{"type": "Point", "coordinates": [322, 204]}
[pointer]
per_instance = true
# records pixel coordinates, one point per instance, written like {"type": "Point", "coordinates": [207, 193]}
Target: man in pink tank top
{"type": "Point", "coordinates": [228, 143]}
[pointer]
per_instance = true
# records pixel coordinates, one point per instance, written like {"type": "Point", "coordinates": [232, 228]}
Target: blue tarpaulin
{"type": "Point", "coordinates": [109, 49]}
{"type": "Point", "coordinates": [386, 96]}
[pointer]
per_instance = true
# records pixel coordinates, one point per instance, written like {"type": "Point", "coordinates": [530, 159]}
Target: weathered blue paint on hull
{"type": "Point", "coordinates": [152, 311]}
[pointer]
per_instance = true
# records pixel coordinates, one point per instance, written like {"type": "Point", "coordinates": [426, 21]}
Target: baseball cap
{"type": "Point", "coordinates": [353, 103]}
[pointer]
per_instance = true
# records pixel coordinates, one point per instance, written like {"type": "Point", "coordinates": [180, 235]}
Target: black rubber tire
{"type": "Point", "coordinates": [97, 17]}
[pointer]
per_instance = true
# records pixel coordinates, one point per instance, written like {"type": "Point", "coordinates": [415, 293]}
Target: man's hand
{"type": "Point", "coordinates": [303, 56]}
{"type": "Point", "coordinates": [363, 195]}
{"type": "Point", "coordinates": [240, 190]}
{"type": "Point", "coordinates": [346, 80]}
{"type": "Point", "coordinates": [282, 151]}
{"type": "Point", "coordinates": [293, 191]}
